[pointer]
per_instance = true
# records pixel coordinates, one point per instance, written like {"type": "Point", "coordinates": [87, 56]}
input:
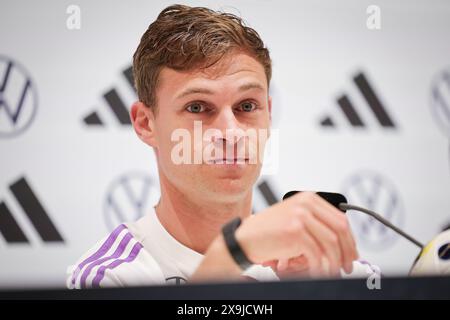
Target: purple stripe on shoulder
{"type": "Point", "coordinates": [101, 271]}
{"type": "Point", "coordinates": [117, 253]}
{"type": "Point", "coordinates": [100, 252]}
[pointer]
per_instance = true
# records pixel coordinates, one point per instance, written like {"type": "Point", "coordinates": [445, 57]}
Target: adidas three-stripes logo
{"type": "Point", "coordinates": [348, 109]}
{"type": "Point", "coordinates": [115, 105]}
{"type": "Point", "coordinates": [35, 212]}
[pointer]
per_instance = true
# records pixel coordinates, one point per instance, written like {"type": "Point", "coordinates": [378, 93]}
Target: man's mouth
{"type": "Point", "coordinates": [228, 161]}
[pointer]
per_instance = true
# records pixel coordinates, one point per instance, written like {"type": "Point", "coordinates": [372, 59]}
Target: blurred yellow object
{"type": "Point", "coordinates": [435, 257]}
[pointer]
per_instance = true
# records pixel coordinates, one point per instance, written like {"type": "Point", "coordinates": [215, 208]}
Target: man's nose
{"type": "Point", "coordinates": [228, 125]}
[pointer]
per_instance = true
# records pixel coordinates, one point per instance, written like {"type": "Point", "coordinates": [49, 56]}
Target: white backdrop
{"type": "Point", "coordinates": [70, 170]}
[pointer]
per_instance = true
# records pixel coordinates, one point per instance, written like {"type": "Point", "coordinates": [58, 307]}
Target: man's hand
{"type": "Point", "coordinates": [302, 225]}
{"type": "Point", "coordinates": [297, 267]}
{"type": "Point", "coordinates": [304, 232]}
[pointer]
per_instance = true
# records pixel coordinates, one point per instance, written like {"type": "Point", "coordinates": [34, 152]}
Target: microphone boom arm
{"type": "Point", "coordinates": [345, 206]}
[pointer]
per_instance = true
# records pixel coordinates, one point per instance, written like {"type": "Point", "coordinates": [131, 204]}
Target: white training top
{"type": "Point", "coordinates": [144, 253]}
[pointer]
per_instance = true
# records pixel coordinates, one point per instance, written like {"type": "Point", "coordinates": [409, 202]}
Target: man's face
{"type": "Point", "coordinates": [231, 95]}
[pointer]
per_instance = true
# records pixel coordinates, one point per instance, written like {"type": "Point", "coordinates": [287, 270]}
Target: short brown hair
{"type": "Point", "coordinates": [184, 38]}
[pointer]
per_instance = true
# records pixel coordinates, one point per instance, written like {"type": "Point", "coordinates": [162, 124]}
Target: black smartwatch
{"type": "Point", "coordinates": [233, 246]}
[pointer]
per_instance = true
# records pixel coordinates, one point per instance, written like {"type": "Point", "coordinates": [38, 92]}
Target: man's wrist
{"type": "Point", "coordinates": [234, 248]}
{"type": "Point", "coordinates": [244, 238]}
{"type": "Point", "coordinates": [219, 253]}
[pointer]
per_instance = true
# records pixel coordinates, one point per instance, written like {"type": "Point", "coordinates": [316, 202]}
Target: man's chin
{"type": "Point", "coordinates": [227, 185]}
{"type": "Point", "coordinates": [228, 189]}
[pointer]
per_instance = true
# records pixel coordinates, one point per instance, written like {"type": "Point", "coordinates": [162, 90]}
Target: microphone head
{"type": "Point", "coordinates": [434, 257]}
{"type": "Point", "coordinates": [334, 198]}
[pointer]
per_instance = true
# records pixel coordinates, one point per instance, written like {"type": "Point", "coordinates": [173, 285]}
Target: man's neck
{"type": "Point", "coordinates": [196, 222]}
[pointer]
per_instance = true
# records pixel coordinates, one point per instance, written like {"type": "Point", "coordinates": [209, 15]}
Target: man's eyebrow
{"type": "Point", "coordinates": [251, 85]}
{"type": "Point", "coordinates": [244, 87]}
{"type": "Point", "coordinates": [192, 91]}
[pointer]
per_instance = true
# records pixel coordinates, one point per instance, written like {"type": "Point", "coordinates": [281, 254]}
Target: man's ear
{"type": "Point", "coordinates": [143, 120]}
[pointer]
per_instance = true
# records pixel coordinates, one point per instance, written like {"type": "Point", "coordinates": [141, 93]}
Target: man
{"type": "Point", "coordinates": [197, 66]}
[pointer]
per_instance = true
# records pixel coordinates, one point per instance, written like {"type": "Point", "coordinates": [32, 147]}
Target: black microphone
{"type": "Point", "coordinates": [340, 202]}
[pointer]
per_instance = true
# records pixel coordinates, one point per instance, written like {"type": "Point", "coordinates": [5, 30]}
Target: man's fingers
{"type": "Point", "coordinates": [297, 267]}
{"type": "Point", "coordinates": [347, 240]}
{"type": "Point", "coordinates": [338, 222]}
{"type": "Point", "coordinates": [298, 262]}
{"type": "Point", "coordinates": [328, 241]}
{"type": "Point", "coordinates": [312, 251]}
{"type": "Point", "coordinates": [282, 264]}
{"type": "Point", "coordinates": [271, 263]}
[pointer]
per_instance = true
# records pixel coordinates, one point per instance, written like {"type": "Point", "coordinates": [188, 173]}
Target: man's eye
{"type": "Point", "coordinates": [195, 108]}
{"type": "Point", "coordinates": [248, 106]}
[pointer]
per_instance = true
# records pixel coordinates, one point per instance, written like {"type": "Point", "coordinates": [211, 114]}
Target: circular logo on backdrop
{"type": "Point", "coordinates": [440, 100]}
{"type": "Point", "coordinates": [128, 198]}
{"type": "Point", "coordinates": [373, 191]}
{"type": "Point", "coordinates": [18, 98]}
